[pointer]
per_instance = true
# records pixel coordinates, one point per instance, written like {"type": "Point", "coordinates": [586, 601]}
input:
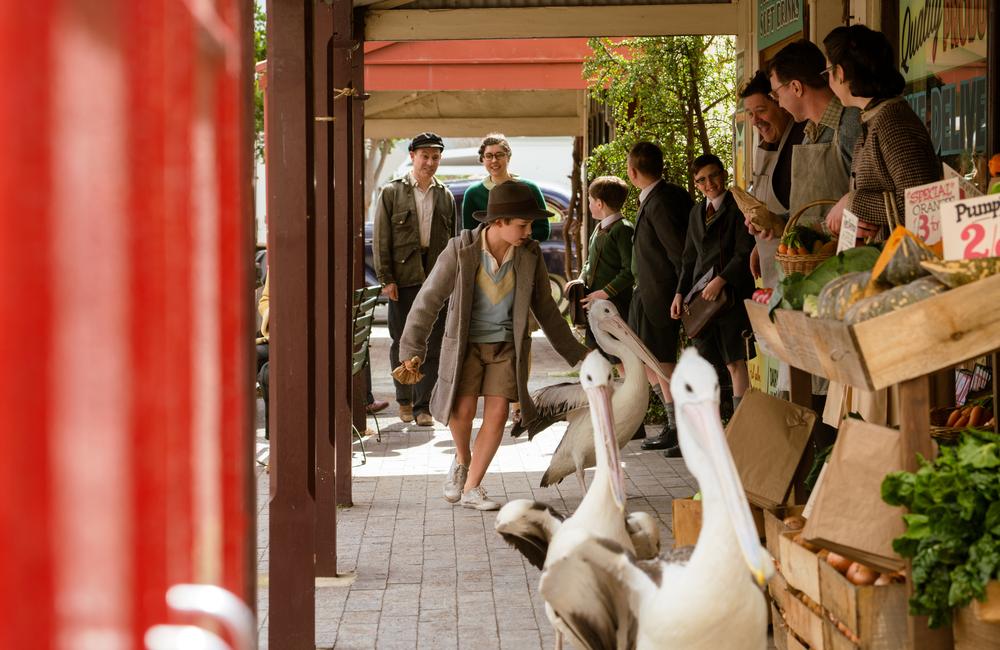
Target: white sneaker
{"type": "Point", "coordinates": [455, 482]}
{"type": "Point", "coordinates": [476, 498]}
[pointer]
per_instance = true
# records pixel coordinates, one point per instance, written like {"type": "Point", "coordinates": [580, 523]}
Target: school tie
{"type": "Point", "coordinates": [709, 213]}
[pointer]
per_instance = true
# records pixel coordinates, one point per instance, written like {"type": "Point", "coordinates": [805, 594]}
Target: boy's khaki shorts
{"type": "Point", "coordinates": [488, 369]}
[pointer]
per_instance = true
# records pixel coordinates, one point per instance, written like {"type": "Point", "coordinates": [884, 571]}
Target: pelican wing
{"type": "Point", "coordinates": [552, 404]}
{"type": "Point", "coordinates": [591, 605]}
{"type": "Point", "coordinates": [577, 442]}
{"type": "Point", "coordinates": [644, 533]}
{"type": "Point", "coordinates": [528, 526]}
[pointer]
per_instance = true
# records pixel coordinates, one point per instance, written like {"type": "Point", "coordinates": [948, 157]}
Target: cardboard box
{"type": "Point", "coordinates": [800, 566]}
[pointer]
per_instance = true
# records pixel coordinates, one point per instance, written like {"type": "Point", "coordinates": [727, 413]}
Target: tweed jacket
{"type": "Point", "coordinates": [658, 247]}
{"type": "Point", "coordinates": [893, 153]}
{"type": "Point", "coordinates": [453, 280]}
{"type": "Point", "coordinates": [702, 251]}
{"type": "Point", "coordinates": [396, 251]}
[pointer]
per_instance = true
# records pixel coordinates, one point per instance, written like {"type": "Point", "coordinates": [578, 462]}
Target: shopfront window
{"type": "Point", "coordinates": [942, 55]}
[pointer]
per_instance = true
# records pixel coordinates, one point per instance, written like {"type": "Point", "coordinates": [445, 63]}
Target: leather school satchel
{"type": "Point", "coordinates": [697, 312]}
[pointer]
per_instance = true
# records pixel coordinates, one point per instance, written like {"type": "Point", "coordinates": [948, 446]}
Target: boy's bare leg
{"type": "Point", "coordinates": [460, 422]}
{"type": "Point", "coordinates": [740, 376]}
{"type": "Point", "coordinates": [488, 438]}
{"type": "Point", "coordinates": [668, 370]}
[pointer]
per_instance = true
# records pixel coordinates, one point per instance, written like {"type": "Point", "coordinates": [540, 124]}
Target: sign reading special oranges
{"type": "Point", "coordinates": [923, 208]}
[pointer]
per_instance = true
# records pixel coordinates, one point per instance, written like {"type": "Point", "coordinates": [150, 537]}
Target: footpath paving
{"type": "Point", "coordinates": [422, 573]}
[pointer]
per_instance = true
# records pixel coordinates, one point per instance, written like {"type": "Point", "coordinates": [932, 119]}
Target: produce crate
{"type": "Point", "coordinates": [911, 342]}
{"type": "Point", "coordinates": [686, 521]}
{"type": "Point", "coordinates": [989, 611]}
{"type": "Point", "coordinates": [876, 616]}
{"type": "Point", "coordinates": [800, 566]}
{"type": "Point", "coordinates": [784, 638]}
{"type": "Point", "coordinates": [774, 526]}
{"type": "Point", "coordinates": [767, 331]}
{"type": "Point", "coordinates": [973, 634]}
{"type": "Point", "coordinates": [808, 624]}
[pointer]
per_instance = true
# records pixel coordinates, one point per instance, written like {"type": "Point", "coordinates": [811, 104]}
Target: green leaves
{"type": "Point", "coordinates": [676, 91]}
{"type": "Point", "coordinates": [953, 527]}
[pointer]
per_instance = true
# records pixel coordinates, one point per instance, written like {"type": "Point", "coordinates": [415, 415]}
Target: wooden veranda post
{"type": "Point", "coordinates": [292, 518]}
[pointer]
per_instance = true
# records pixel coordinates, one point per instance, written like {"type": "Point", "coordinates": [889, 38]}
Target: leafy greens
{"type": "Point", "coordinates": [953, 525]}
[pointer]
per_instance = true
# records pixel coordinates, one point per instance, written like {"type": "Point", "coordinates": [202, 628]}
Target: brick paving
{"type": "Point", "coordinates": [419, 572]}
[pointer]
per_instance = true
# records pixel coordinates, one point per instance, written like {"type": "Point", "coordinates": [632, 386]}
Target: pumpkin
{"type": "Point", "coordinates": [895, 298]}
{"type": "Point", "coordinates": [842, 292]}
{"type": "Point", "coordinates": [900, 260]}
{"type": "Point", "coordinates": [955, 273]}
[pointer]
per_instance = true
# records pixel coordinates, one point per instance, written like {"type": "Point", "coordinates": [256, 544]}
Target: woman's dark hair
{"type": "Point", "coordinates": [867, 59]}
{"type": "Point", "coordinates": [800, 61]}
{"type": "Point", "coordinates": [705, 160]}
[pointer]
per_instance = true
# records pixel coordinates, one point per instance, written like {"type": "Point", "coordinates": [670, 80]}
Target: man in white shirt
{"type": "Point", "coordinates": [414, 219]}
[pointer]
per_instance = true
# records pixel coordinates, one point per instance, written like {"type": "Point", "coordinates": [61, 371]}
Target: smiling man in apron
{"type": "Point", "coordinates": [821, 165]}
{"type": "Point", "coordinates": [772, 167]}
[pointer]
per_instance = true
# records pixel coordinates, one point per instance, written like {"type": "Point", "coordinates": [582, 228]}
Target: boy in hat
{"type": "Point", "coordinates": [492, 278]}
{"type": "Point", "coordinates": [414, 218]}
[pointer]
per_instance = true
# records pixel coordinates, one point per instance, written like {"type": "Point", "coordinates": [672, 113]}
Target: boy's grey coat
{"type": "Point", "coordinates": [453, 280]}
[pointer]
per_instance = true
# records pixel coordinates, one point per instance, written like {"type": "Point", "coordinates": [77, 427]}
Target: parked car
{"type": "Point", "coordinates": [557, 201]}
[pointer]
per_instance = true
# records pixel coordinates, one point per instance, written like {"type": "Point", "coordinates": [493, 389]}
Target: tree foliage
{"type": "Point", "coordinates": [260, 54]}
{"type": "Point", "coordinates": [677, 91]}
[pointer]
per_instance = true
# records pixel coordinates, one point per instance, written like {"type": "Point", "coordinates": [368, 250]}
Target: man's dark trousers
{"type": "Point", "coordinates": [419, 394]}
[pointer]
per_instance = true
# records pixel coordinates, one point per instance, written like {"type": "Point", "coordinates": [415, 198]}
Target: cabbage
{"type": "Point", "coordinates": [793, 289]}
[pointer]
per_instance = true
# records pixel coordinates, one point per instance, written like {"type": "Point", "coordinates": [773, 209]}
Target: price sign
{"type": "Point", "coordinates": [848, 232]}
{"type": "Point", "coordinates": [970, 228]}
{"type": "Point", "coordinates": [968, 189]}
{"type": "Point", "coordinates": [923, 208]}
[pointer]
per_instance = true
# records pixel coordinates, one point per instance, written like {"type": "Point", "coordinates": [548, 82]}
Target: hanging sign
{"type": "Point", "coordinates": [936, 36]}
{"type": "Point", "coordinates": [970, 228]}
{"type": "Point", "coordinates": [923, 208]}
{"type": "Point", "coordinates": [777, 20]}
{"type": "Point", "coordinates": [848, 232]}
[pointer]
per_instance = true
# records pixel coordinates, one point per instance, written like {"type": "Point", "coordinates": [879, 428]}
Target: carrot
{"type": "Point", "coordinates": [953, 418]}
{"type": "Point", "coordinates": [802, 250]}
{"type": "Point", "coordinates": [783, 249]}
{"type": "Point", "coordinates": [976, 416]}
{"type": "Point", "coordinates": [963, 421]}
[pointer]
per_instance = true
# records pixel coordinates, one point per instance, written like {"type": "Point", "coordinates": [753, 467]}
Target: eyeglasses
{"type": "Point", "coordinates": [500, 155]}
{"type": "Point", "coordinates": [826, 72]}
{"type": "Point", "coordinates": [716, 175]}
{"type": "Point", "coordinates": [774, 93]}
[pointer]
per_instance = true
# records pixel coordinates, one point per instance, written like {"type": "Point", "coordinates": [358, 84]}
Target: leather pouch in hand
{"type": "Point", "coordinates": [574, 294]}
{"type": "Point", "coordinates": [697, 312]}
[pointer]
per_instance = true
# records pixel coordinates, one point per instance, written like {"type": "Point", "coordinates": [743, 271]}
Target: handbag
{"type": "Point", "coordinates": [697, 312]}
{"type": "Point", "coordinates": [575, 293]}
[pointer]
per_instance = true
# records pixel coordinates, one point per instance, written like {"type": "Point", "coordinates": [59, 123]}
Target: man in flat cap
{"type": "Point", "coordinates": [492, 278]}
{"type": "Point", "coordinates": [414, 218]}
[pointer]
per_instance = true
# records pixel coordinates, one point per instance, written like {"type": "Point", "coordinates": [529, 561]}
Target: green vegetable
{"type": "Point", "coordinates": [793, 289]}
{"type": "Point", "coordinates": [953, 525]}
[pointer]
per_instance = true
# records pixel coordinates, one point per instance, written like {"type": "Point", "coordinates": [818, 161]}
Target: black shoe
{"type": "Point", "coordinates": [658, 442]}
{"type": "Point", "coordinates": [673, 452]}
{"type": "Point", "coordinates": [640, 433]}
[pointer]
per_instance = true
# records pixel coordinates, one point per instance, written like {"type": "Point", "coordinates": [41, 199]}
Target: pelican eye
{"type": "Point", "coordinates": [589, 378]}
{"type": "Point", "coordinates": [688, 388]}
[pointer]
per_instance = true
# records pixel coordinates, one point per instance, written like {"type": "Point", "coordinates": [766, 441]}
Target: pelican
{"type": "Point", "coordinates": [567, 401]}
{"type": "Point", "coordinates": [707, 602]}
{"type": "Point", "coordinates": [543, 536]}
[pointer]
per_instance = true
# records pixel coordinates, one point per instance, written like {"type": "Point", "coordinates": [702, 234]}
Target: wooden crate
{"type": "Point", "coordinates": [973, 634]}
{"type": "Point", "coordinates": [989, 611]}
{"type": "Point", "coordinates": [800, 566]}
{"type": "Point", "coordinates": [784, 638]}
{"type": "Point", "coordinates": [777, 590]}
{"type": "Point", "coordinates": [876, 615]}
{"type": "Point", "coordinates": [686, 521]}
{"type": "Point", "coordinates": [927, 336]}
{"type": "Point", "coordinates": [774, 527]}
{"type": "Point", "coordinates": [765, 329]}
{"type": "Point", "coordinates": [807, 624]}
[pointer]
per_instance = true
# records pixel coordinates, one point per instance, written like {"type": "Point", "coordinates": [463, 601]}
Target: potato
{"type": "Point", "coordinates": [861, 575]}
{"type": "Point", "coordinates": [794, 522]}
{"type": "Point", "coordinates": [883, 580]}
{"type": "Point", "coordinates": [839, 562]}
{"type": "Point", "coordinates": [801, 541]}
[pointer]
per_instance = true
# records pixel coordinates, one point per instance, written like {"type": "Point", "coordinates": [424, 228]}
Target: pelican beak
{"type": "Point", "coordinates": [704, 416]}
{"type": "Point", "coordinates": [619, 329]}
{"type": "Point", "coordinates": [602, 419]}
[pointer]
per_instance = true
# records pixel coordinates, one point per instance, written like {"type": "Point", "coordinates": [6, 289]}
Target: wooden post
{"type": "Point", "coordinates": [342, 244]}
{"type": "Point", "coordinates": [290, 175]}
{"type": "Point", "coordinates": [915, 438]}
{"type": "Point", "coordinates": [357, 225]}
{"type": "Point", "coordinates": [326, 503]}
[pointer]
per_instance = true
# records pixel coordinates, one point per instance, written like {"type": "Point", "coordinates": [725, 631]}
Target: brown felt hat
{"type": "Point", "coordinates": [513, 200]}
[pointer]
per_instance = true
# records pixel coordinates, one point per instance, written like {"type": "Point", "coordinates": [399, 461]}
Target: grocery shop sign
{"type": "Point", "coordinates": [936, 36]}
{"type": "Point", "coordinates": [777, 20]}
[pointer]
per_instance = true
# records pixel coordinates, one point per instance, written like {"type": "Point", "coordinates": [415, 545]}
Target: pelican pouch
{"type": "Point", "coordinates": [697, 312]}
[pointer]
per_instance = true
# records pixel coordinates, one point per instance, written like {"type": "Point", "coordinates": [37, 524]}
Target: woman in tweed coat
{"type": "Point", "coordinates": [894, 151]}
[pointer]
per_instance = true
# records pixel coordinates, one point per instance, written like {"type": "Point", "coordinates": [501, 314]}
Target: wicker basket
{"type": "Point", "coordinates": [802, 263]}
